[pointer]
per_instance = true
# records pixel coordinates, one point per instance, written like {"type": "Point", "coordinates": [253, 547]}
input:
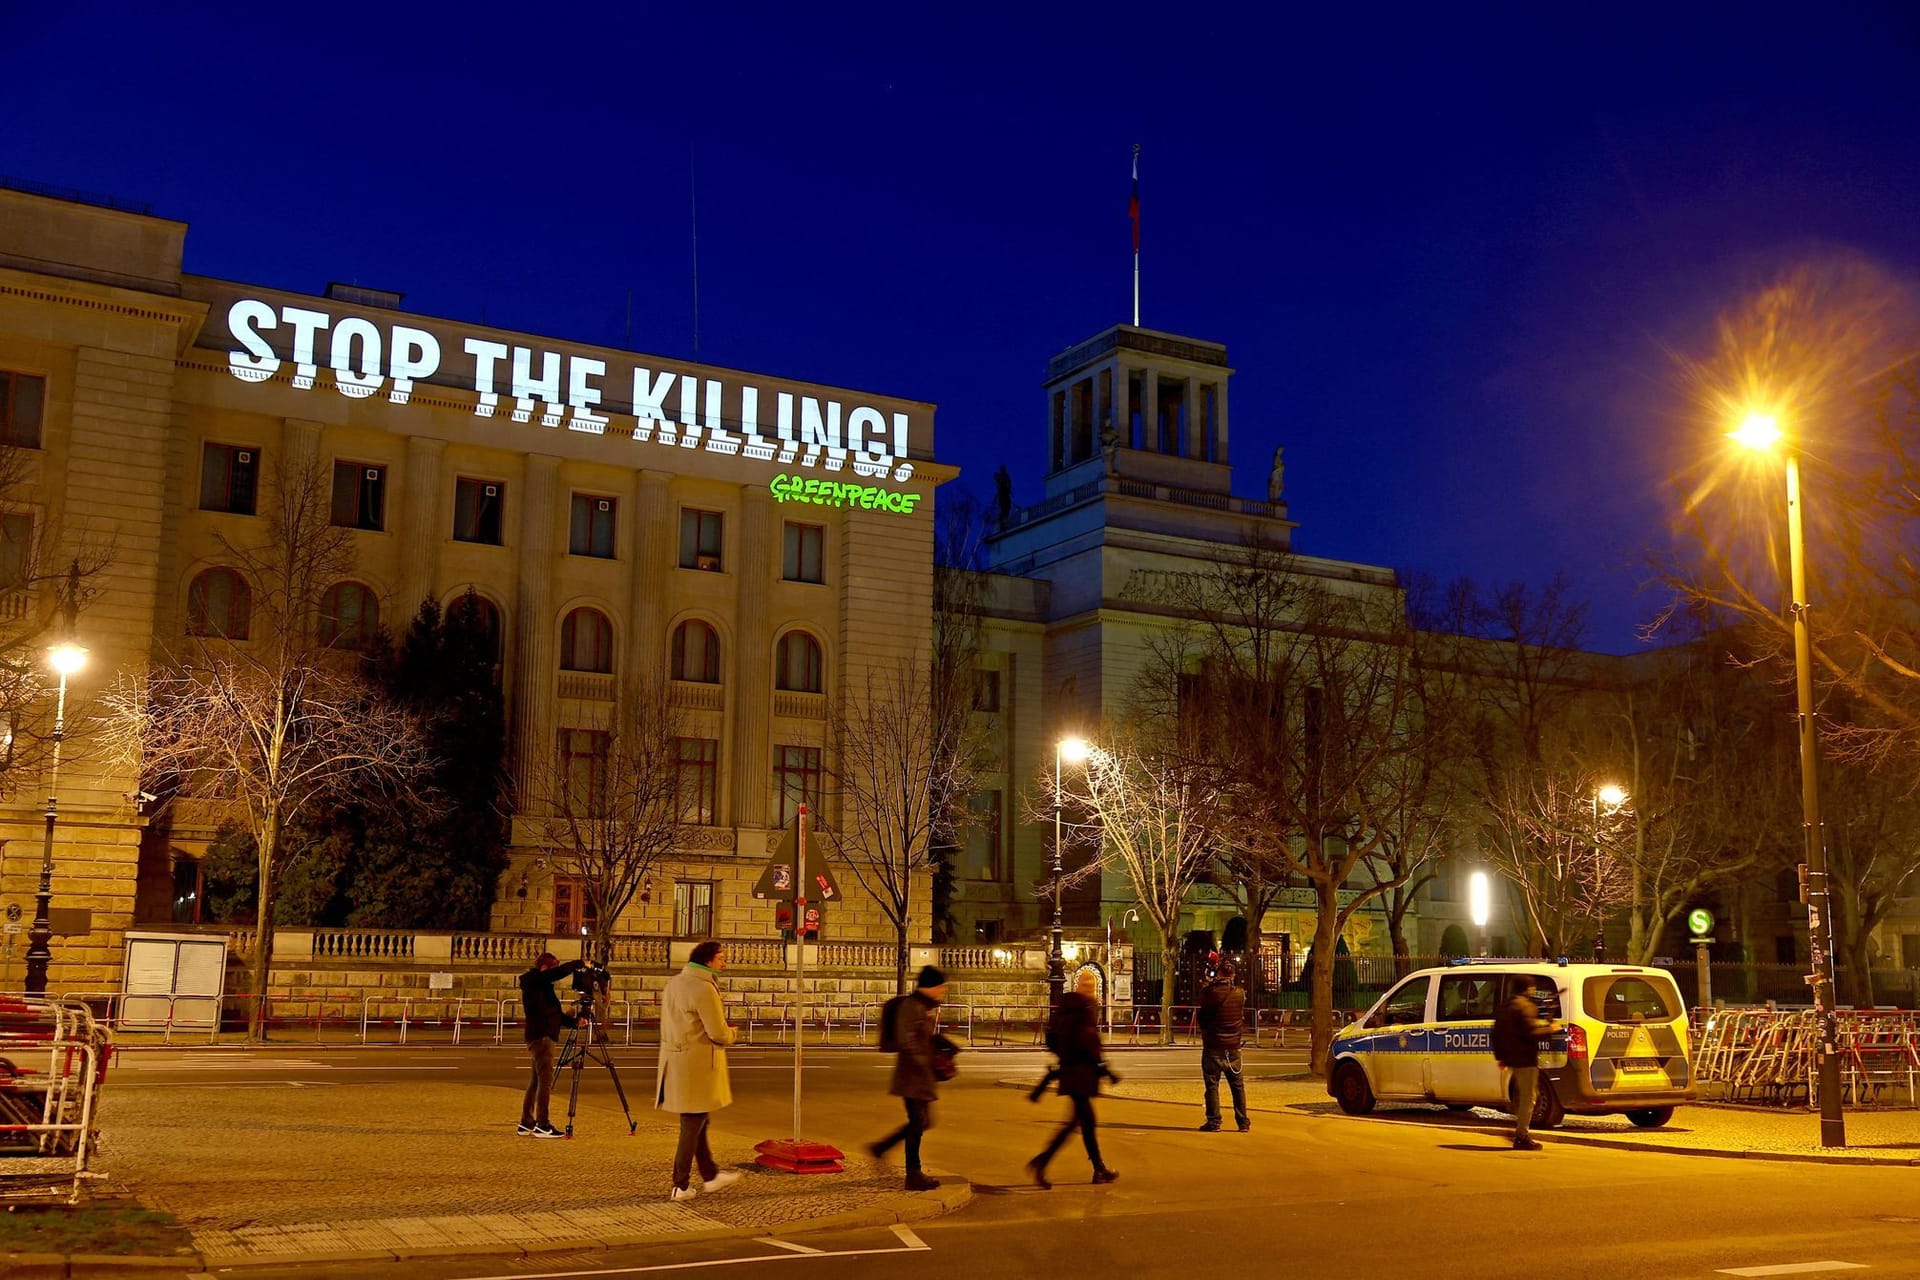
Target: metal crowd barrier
{"type": "Point", "coordinates": [53, 1060]}
{"type": "Point", "coordinates": [1770, 1055]}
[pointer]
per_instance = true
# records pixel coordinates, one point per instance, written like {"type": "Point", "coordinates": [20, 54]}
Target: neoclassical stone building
{"type": "Point", "coordinates": [759, 541]}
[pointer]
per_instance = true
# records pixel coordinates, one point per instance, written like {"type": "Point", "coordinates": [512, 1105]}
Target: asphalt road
{"type": "Point", "coordinates": [1303, 1195]}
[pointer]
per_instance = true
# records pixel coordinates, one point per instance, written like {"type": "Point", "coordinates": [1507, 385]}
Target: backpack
{"type": "Point", "coordinates": [889, 1019]}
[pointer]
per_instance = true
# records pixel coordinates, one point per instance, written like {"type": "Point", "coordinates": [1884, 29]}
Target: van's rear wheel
{"type": "Point", "coordinates": [1351, 1090]}
{"type": "Point", "coordinates": [1650, 1117]}
{"type": "Point", "coordinates": [1547, 1111]}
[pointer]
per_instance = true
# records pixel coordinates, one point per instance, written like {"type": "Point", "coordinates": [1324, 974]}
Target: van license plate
{"type": "Point", "coordinates": [1639, 1064]}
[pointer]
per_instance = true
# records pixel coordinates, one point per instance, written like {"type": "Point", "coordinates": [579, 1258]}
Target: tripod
{"type": "Point", "coordinates": [577, 1050]}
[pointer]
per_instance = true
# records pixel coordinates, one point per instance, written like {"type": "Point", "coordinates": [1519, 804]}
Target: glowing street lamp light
{"type": "Point", "coordinates": [1760, 430]}
{"type": "Point", "coordinates": [65, 659]}
{"type": "Point", "coordinates": [1072, 751]}
{"type": "Point", "coordinates": [1480, 902]}
{"type": "Point", "coordinates": [1612, 797]}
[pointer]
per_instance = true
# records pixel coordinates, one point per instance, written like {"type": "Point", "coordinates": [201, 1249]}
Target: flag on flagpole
{"type": "Point", "coordinates": [1133, 201]}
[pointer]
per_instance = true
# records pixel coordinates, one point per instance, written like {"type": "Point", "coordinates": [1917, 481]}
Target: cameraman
{"type": "Point", "coordinates": [544, 1018]}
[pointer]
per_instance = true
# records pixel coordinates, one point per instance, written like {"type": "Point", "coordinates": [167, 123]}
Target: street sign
{"type": "Point", "coordinates": [1700, 922]}
{"type": "Point", "coordinates": [777, 880]}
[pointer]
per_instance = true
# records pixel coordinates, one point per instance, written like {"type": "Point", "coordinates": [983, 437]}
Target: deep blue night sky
{"type": "Point", "coordinates": [1450, 249]}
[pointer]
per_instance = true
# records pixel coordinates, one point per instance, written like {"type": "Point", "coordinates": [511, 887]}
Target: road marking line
{"type": "Point", "coordinates": [784, 1244]}
{"type": "Point", "coordinates": [689, 1266]}
{"type": "Point", "coordinates": [1791, 1269]}
{"type": "Point", "coordinates": [906, 1234]}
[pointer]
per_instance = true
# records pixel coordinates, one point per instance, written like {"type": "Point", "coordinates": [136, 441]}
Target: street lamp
{"type": "Point", "coordinates": [1761, 431]}
{"type": "Point", "coordinates": [1479, 899]}
{"type": "Point", "coordinates": [1070, 750]}
{"type": "Point", "coordinates": [65, 659]}
{"type": "Point", "coordinates": [1613, 797]}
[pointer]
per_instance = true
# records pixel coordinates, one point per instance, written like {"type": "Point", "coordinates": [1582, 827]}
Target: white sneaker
{"type": "Point", "coordinates": [722, 1180]}
{"type": "Point", "coordinates": [684, 1193]}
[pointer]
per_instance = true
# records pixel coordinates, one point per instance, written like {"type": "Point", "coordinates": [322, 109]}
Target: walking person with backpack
{"type": "Point", "coordinates": [908, 1030]}
{"type": "Point", "coordinates": [1222, 1015]}
{"type": "Point", "coordinates": [1073, 1034]}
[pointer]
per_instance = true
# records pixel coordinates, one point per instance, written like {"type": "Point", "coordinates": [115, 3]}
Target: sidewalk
{"type": "Point", "coordinates": [272, 1174]}
{"type": "Point", "coordinates": [1874, 1135]}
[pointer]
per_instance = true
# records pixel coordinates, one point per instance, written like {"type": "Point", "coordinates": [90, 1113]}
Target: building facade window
{"type": "Point", "coordinates": [583, 769]}
{"type": "Point", "coordinates": [700, 540]}
{"type": "Point", "coordinates": [592, 529]}
{"type": "Point", "coordinates": [586, 642]}
{"type": "Point", "coordinates": [986, 691]}
{"type": "Point", "coordinates": [16, 552]}
{"type": "Point", "coordinates": [696, 652]}
{"type": "Point", "coordinates": [229, 478]}
{"type": "Point", "coordinates": [804, 559]}
{"type": "Point", "coordinates": [572, 907]}
{"type": "Point", "coordinates": [796, 781]}
{"type": "Point", "coordinates": [693, 908]}
{"type": "Point", "coordinates": [349, 616]}
{"type": "Point", "coordinates": [359, 495]}
{"type": "Point", "coordinates": [23, 399]}
{"type": "Point", "coordinates": [696, 766]}
{"type": "Point", "coordinates": [220, 603]}
{"type": "Point", "coordinates": [476, 510]}
{"type": "Point", "coordinates": [796, 663]}
{"type": "Point", "coordinates": [980, 858]}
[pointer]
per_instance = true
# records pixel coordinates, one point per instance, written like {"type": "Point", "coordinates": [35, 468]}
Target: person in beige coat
{"type": "Point", "coordinates": [694, 1036]}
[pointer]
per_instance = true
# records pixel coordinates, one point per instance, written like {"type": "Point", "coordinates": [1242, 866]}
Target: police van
{"type": "Point", "coordinates": [1624, 1047]}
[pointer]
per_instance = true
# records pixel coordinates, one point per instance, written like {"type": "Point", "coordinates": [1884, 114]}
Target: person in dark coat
{"type": "Point", "coordinates": [1073, 1034]}
{"type": "Point", "coordinates": [544, 1018]}
{"type": "Point", "coordinates": [1518, 1030]}
{"type": "Point", "coordinates": [917, 1023]}
{"type": "Point", "coordinates": [1222, 1015]}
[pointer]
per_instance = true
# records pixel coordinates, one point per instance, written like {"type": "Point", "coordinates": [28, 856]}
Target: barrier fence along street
{"type": "Point", "coordinates": [57, 1056]}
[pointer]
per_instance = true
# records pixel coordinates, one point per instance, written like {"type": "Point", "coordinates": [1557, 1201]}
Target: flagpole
{"type": "Point", "coordinates": [1136, 235]}
{"type": "Point", "coordinates": [799, 965]}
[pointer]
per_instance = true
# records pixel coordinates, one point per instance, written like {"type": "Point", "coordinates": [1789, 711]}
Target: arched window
{"type": "Point", "coordinates": [696, 653]}
{"type": "Point", "coordinates": [349, 616]}
{"type": "Point", "coordinates": [220, 603]}
{"type": "Point", "coordinates": [796, 663]}
{"type": "Point", "coordinates": [586, 642]}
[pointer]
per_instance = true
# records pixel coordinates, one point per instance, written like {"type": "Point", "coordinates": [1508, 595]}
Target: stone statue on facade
{"type": "Point", "coordinates": [1276, 478]}
{"type": "Point", "coordinates": [1002, 497]}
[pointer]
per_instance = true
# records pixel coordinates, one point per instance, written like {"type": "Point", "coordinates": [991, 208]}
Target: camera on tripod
{"type": "Point", "coordinates": [592, 983]}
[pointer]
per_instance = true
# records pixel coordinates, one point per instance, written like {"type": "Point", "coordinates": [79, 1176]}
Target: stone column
{"type": "Point", "coordinates": [534, 624]}
{"type": "Point", "coordinates": [1122, 410]}
{"type": "Point", "coordinates": [421, 523]}
{"type": "Point", "coordinates": [300, 439]}
{"type": "Point", "coordinates": [1196, 443]}
{"type": "Point", "coordinates": [1150, 411]}
{"type": "Point", "coordinates": [652, 550]}
{"type": "Point", "coordinates": [752, 658]}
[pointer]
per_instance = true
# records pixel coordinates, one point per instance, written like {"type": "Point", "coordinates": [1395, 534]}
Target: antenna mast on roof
{"type": "Point", "coordinates": [693, 201]}
{"type": "Point", "coordinates": [1133, 211]}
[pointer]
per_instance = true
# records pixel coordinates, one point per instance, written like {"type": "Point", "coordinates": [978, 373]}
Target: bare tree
{"type": "Point", "coordinates": [896, 759]}
{"type": "Point", "coordinates": [276, 723]}
{"type": "Point", "coordinates": [610, 802]}
{"type": "Point", "coordinates": [1562, 860]}
{"type": "Point", "coordinates": [958, 739]}
{"type": "Point", "coordinates": [1304, 712]}
{"type": "Point", "coordinates": [1154, 816]}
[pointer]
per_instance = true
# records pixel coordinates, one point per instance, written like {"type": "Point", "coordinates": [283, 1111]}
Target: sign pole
{"type": "Point", "coordinates": [799, 965]}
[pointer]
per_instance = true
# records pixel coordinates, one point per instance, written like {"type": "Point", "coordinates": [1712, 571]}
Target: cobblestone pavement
{"type": "Point", "coordinates": [405, 1170]}
{"type": "Point", "coordinates": [1877, 1134]}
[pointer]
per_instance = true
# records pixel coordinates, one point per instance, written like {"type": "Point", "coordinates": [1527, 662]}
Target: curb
{"type": "Point", "coordinates": [1568, 1139]}
{"type": "Point", "coordinates": [955, 1193]}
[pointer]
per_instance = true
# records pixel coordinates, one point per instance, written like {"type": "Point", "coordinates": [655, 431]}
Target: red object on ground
{"type": "Point", "coordinates": [797, 1155]}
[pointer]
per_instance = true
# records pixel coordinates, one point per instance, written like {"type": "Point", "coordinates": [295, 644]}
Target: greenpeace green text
{"type": "Point", "coordinates": [831, 493]}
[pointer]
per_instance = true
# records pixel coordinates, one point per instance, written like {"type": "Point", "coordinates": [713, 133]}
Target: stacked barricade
{"type": "Point", "coordinates": [53, 1058]}
{"type": "Point", "coordinates": [1771, 1055]}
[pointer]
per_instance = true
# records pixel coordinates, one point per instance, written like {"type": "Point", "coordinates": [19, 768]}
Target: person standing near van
{"type": "Point", "coordinates": [1518, 1030]}
{"type": "Point", "coordinates": [693, 1082]}
{"type": "Point", "coordinates": [1222, 1015]}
